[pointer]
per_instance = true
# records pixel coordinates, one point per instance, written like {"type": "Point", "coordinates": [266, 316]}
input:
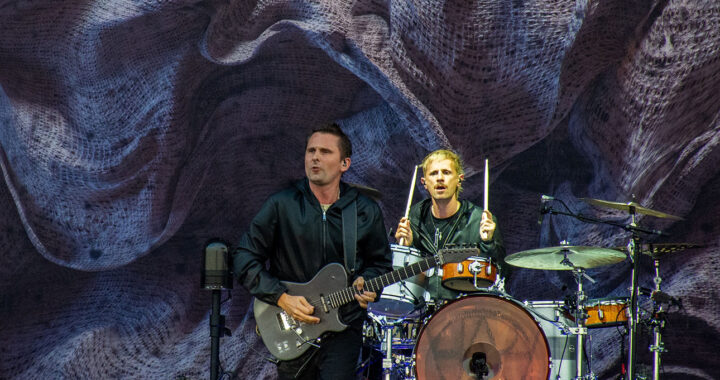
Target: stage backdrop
{"type": "Point", "coordinates": [133, 131]}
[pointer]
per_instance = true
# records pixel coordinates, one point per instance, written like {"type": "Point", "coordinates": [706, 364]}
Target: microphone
{"type": "Point", "coordinates": [543, 207]}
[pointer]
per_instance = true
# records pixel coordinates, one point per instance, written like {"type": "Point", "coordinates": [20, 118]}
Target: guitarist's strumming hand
{"type": "Point", "coordinates": [298, 308]}
{"type": "Point", "coordinates": [363, 297]}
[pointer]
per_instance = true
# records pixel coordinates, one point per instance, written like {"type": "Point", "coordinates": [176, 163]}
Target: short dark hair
{"type": "Point", "coordinates": [334, 129]}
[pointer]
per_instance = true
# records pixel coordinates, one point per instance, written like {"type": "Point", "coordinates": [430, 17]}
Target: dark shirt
{"type": "Point", "coordinates": [293, 235]}
{"type": "Point", "coordinates": [431, 234]}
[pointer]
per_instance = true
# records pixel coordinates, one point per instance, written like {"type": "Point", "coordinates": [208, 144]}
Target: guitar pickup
{"type": "Point", "coordinates": [324, 304]}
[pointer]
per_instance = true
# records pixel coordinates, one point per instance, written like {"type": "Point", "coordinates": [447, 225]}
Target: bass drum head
{"type": "Point", "coordinates": [482, 326]}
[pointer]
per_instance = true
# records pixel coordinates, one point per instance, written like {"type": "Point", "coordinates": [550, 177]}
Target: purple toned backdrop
{"type": "Point", "coordinates": [133, 131]}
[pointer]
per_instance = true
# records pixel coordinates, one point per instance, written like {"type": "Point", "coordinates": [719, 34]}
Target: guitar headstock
{"type": "Point", "coordinates": [457, 254]}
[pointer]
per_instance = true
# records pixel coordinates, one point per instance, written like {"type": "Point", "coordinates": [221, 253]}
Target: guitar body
{"type": "Point", "coordinates": [283, 336]}
{"type": "Point", "coordinates": [287, 338]}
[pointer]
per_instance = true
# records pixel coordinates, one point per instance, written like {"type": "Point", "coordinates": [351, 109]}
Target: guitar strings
{"type": "Point", "coordinates": [341, 297]}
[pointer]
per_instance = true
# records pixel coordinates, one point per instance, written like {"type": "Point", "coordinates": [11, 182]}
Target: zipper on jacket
{"type": "Point", "coordinates": [324, 233]}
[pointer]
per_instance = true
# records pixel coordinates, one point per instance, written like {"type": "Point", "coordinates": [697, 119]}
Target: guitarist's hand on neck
{"type": "Point", "coordinates": [298, 308]}
{"type": "Point", "coordinates": [363, 297]}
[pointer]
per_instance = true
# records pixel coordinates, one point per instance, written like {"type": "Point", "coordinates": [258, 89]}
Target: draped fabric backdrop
{"type": "Point", "coordinates": [131, 132]}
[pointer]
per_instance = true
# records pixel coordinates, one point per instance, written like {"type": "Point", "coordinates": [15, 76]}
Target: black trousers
{"type": "Point", "coordinates": [336, 359]}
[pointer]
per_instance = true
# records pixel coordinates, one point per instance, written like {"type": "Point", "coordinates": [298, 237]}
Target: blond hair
{"type": "Point", "coordinates": [444, 154]}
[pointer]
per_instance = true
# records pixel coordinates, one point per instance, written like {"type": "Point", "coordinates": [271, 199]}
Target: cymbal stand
{"type": "Point", "coordinates": [633, 246]}
{"type": "Point", "coordinates": [658, 323]}
{"type": "Point", "coordinates": [386, 346]}
{"type": "Point", "coordinates": [580, 331]}
{"type": "Point", "coordinates": [633, 250]}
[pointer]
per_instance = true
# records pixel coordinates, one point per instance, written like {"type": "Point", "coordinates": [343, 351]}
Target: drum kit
{"type": "Point", "coordinates": [487, 334]}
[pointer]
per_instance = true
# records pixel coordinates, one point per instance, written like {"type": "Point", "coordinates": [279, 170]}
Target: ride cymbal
{"type": "Point", "coordinates": [629, 207]}
{"type": "Point", "coordinates": [553, 258]}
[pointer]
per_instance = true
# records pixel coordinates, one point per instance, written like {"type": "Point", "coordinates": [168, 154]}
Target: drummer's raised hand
{"type": "Point", "coordinates": [404, 234]}
{"type": "Point", "coordinates": [363, 296]}
{"type": "Point", "coordinates": [487, 226]}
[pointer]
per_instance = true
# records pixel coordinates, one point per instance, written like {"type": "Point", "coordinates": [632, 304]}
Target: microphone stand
{"type": "Point", "coordinates": [215, 335]}
{"type": "Point", "coordinates": [217, 329]}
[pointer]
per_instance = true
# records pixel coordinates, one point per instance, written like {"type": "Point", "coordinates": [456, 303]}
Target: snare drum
{"type": "Point", "coordinates": [605, 312]}
{"type": "Point", "coordinates": [406, 298]}
{"type": "Point", "coordinates": [461, 276]}
{"type": "Point", "coordinates": [466, 332]}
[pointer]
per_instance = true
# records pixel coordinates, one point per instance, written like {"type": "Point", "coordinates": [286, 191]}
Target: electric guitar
{"type": "Point", "coordinates": [287, 338]}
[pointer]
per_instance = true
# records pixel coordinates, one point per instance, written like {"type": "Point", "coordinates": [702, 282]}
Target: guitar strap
{"type": "Point", "coordinates": [349, 231]}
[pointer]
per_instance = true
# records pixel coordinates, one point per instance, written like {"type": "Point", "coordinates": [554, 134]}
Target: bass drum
{"type": "Point", "coordinates": [482, 335]}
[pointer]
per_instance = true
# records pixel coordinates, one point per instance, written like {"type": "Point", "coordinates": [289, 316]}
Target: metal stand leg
{"type": "Point", "coordinates": [634, 318]}
{"type": "Point", "coordinates": [580, 331]}
{"type": "Point", "coordinates": [387, 360]}
{"type": "Point", "coordinates": [658, 324]}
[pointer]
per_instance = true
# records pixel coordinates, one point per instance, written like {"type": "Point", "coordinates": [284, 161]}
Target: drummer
{"type": "Point", "coordinates": [443, 220]}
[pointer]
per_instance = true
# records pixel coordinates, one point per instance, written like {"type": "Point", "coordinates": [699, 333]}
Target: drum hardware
{"type": "Point", "coordinates": [387, 360]}
{"type": "Point", "coordinates": [499, 285]}
{"type": "Point", "coordinates": [393, 360]}
{"type": "Point", "coordinates": [576, 259]}
{"type": "Point", "coordinates": [580, 331]}
{"type": "Point", "coordinates": [660, 301]}
{"type": "Point", "coordinates": [476, 268]}
{"type": "Point", "coordinates": [632, 250]}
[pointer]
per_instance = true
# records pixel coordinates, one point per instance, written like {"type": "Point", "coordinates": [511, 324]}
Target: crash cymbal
{"type": "Point", "coordinates": [551, 258]}
{"type": "Point", "coordinates": [639, 209]}
{"type": "Point", "coordinates": [658, 250]}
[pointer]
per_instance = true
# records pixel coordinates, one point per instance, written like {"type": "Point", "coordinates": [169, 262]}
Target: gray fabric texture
{"type": "Point", "coordinates": [133, 131]}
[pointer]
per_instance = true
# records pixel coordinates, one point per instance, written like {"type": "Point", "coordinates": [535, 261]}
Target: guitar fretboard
{"type": "Point", "coordinates": [341, 297]}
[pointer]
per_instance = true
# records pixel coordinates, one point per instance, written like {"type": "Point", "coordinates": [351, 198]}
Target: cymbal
{"type": "Point", "coordinates": [627, 206]}
{"type": "Point", "coordinates": [551, 258]}
{"type": "Point", "coordinates": [658, 250]}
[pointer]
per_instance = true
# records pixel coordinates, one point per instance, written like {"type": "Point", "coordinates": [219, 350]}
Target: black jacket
{"type": "Point", "coordinates": [465, 230]}
{"type": "Point", "coordinates": [293, 234]}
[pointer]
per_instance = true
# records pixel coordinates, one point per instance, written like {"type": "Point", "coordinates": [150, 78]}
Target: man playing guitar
{"type": "Point", "coordinates": [299, 231]}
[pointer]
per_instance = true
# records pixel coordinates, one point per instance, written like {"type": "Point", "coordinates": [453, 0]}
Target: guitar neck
{"type": "Point", "coordinates": [347, 295]}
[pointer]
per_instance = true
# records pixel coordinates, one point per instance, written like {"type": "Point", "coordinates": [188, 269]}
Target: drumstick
{"type": "Point", "coordinates": [410, 196]}
{"type": "Point", "coordinates": [487, 185]}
